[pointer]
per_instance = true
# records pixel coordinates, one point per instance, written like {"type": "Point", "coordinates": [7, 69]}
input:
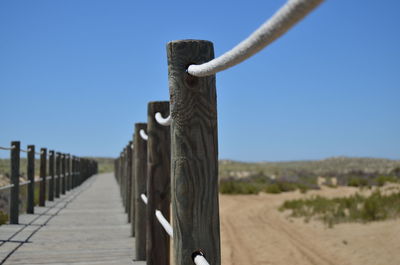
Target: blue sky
{"type": "Point", "coordinates": [76, 75]}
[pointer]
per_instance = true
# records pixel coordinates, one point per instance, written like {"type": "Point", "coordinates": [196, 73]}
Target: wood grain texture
{"type": "Point", "coordinates": [14, 178]}
{"type": "Point", "coordinates": [140, 157]}
{"type": "Point", "coordinates": [158, 183]}
{"type": "Point", "coordinates": [63, 164]}
{"type": "Point", "coordinates": [90, 230]}
{"type": "Point", "coordinates": [68, 169]}
{"type": "Point", "coordinates": [52, 175]}
{"type": "Point", "coordinates": [133, 197]}
{"type": "Point", "coordinates": [58, 173]}
{"type": "Point", "coordinates": [194, 149]}
{"type": "Point", "coordinates": [30, 205]}
{"type": "Point", "coordinates": [43, 174]}
{"type": "Point", "coordinates": [129, 179]}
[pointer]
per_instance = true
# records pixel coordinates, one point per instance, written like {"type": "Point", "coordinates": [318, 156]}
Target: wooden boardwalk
{"type": "Point", "coordinates": [86, 226]}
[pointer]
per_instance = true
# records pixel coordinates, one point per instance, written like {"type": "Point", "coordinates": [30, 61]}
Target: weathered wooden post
{"type": "Point", "coordinates": [123, 186]}
{"type": "Point", "coordinates": [51, 174]}
{"type": "Point", "coordinates": [158, 183]}
{"type": "Point", "coordinates": [68, 169]}
{"type": "Point", "coordinates": [140, 156]}
{"type": "Point", "coordinates": [194, 150]}
{"type": "Point", "coordinates": [30, 205]}
{"type": "Point", "coordinates": [42, 187]}
{"type": "Point", "coordinates": [133, 185]}
{"type": "Point", "coordinates": [58, 172]}
{"type": "Point", "coordinates": [73, 177]}
{"type": "Point", "coordinates": [63, 173]}
{"type": "Point", "coordinates": [129, 179]}
{"type": "Point", "coordinates": [14, 196]}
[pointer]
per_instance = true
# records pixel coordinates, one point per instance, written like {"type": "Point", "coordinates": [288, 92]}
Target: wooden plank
{"type": "Point", "coordinates": [90, 228]}
{"type": "Point", "coordinates": [194, 149]}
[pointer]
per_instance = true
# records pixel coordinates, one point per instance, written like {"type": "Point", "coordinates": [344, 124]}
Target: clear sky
{"type": "Point", "coordinates": [76, 75]}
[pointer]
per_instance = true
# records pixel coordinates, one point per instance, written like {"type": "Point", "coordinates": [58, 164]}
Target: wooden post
{"type": "Point", "coordinates": [63, 174]}
{"type": "Point", "coordinates": [30, 206]}
{"type": "Point", "coordinates": [73, 169]}
{"type": "Point", "coordinates": [140, 156]}
{"type": "Point", "coordinates": [194, 150]}
{"type": "Point", "coordinates": [51, 174]}
{"type": "Point", "coordinates": [68, 172]}
{"type": "Point", "coordinates": [158, 184]}
{"type": "Point", "coordinates": [42, 187]}
{"type": "Point", "coordinates": [58, 172]}
{"type": "Point", "coordinates": [129, 179]}
{"type": "Point", "coordinates": [133, 185]}
{"type": "Point", "coordinates": [14, 196]}
{"type": "Point", "coordinates": [123, 186]}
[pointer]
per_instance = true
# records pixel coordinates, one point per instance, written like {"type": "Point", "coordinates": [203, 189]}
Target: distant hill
{"type": "Point", "coordinates": [236, 169]}
{"type": "Point", "coordinates": [326, 167]}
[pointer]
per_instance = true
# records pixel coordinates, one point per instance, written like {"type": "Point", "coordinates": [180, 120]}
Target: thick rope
{"type": "Point", "coordinates": [6, 148]}
{"type": "Point", "coordinates": [286, 17]}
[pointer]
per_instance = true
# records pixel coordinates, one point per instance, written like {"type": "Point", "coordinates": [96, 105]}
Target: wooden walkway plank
{"type": "Point", "coordinates": [89, 228]}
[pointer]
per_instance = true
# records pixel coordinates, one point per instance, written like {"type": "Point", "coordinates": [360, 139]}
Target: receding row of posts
{"type": "Point", "coordinates": [65, 173]}
{"type": "Point", "coordinates": [176, 164]}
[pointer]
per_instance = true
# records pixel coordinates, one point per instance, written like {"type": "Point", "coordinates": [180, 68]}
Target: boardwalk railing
{"type": "Point", "coordinates": [58, 173]}
{"type": "Point", "coordinates": [173, 158]}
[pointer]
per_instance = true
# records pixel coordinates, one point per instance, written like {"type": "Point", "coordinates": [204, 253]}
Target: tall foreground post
{"type": "Point", "coordinates": [140, 156]}
{"type": "Point", "coordinates": [158, 183]}
{"type": "Point", "coordinates": [42, 187]}
{"type": "Point", "coordinates": [194, 154]}
{"type": "Point", "coordinates": [14, 196]}
{"type": "Point", "coordinates": [31, 178]}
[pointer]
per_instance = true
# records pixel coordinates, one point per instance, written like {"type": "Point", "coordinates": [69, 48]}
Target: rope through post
{"type": "Point", "coordinates": [285, 18]}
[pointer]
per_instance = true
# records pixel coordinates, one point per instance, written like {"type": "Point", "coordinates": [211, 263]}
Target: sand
{"type": "Point", "coordinates": [253, 231]}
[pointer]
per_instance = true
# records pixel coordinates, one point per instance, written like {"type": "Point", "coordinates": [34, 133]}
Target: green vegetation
{"type": "Point", "coordinates": [255, 186]}
{"type": "Point", "coordinates": [356, 208]}
{"type": "Point", "coordinates": [3, 218]}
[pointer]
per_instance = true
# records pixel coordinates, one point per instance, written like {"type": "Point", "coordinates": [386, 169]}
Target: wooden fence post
{"type": "Point", "coordinates": [158, 184]}
{"type": "Point", "coordinates": [129, 179]}
{"type": "Point", "coordinates": [73, 172]}
{"type": "Point", "coordinates": [68, 169]}
{"type": "Point", "coordinates": [14, 196]}
{"type": "Point", "coordinates": [42, 187]}
{"type": "Point", "coordinates": [63, 174]}
{"type": "Point", "coordinates": [51, 174]}
{"type": "Point", "coordinates": [140, 156]}
{"type": "Point", "coordinates": [194, 160]}
{"type": "Point", "coordinates": [133, 185]}
{"type": "Point", "coordinates": [30, 205]}
{"type": "Point", "coordinates": [58, 172]}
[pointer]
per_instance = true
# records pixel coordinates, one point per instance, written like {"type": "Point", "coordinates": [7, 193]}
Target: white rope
{"type": "Point", "coordinates": [200, 260]}
{"type": "Point", "coordinates": [23, 150]}
{"type": "Point", "coordinates": [143, 135]}
{"type": "Point", "coordinates": [286, 17]}
{"type": "Point", "coordinates": [163, 121]}
{"type": "Point", "coordinates": [144, 198]}
{"type": "Point", "coordinates": [7, 148]}
{"type": "Point", "coordinates": [25, 182]}
{"type": "Point", "coordinates": [165, 224]}
{"type": "Point", "coordinates": [7, 187]}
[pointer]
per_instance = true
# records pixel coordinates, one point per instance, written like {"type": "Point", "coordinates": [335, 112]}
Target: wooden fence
{"type": "Point", "coordinates": [58, 173]}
